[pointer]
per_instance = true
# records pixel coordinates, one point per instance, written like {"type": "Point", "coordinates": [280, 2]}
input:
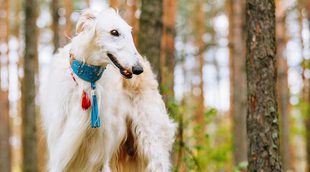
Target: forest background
{"type": "Point", "coordinates": [200, 51]}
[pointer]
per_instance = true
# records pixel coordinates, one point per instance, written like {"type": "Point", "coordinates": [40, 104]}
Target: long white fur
{"type": "Point", "coordinates": [72, 144]}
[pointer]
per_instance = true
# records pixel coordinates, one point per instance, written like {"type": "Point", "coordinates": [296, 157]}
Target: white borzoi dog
{"type": "Point", "coordinates": [136, 134]}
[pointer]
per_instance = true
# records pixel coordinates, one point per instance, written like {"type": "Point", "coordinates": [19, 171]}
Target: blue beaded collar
{"type": "Point", "coordinates": [87, 72]}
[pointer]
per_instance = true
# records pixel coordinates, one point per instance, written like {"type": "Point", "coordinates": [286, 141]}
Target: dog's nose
{"type": "Point", "coordinates": [137, 69]}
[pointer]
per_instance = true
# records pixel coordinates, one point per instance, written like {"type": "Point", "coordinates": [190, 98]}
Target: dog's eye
{"type": "Point", "coordinates": [114, 32]}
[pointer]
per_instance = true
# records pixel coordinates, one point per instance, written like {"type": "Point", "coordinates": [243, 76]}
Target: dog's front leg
{"type": "Point", "coordinates": [106, 166]}
{"type": "Point", "coordinates": [153, 146]}
{"type": "Point", "coordinates": [154, 132]}
{"type": "Point", "coordinates": [69, 141]}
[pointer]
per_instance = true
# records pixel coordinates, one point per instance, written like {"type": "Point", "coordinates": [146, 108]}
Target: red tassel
{"type": "Point", "coordinates": [85, 101]}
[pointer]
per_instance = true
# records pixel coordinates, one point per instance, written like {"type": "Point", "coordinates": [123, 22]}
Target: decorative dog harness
{"type": "Point", "coordinates": [90, 74]}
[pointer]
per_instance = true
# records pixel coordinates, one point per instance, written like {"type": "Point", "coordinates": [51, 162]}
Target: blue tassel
{"type": "Point", "coordinates": [95, 118]}
{"type": "Point", "coordinates": [89, 73]}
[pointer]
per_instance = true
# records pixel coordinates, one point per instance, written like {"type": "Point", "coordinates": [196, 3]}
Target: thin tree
{"type": "Point", "coordinates": [15, 31]}
{"type": "Point", "coordinates": [150, 32]}
{"type": "Point", "coordinates": [69, 8]}
{"type": "Point", "coordinates": [167, 61]}
{"type": "Point", "coordinates": [30, 154]}
{"type": "Point", "coordinates": [238, 86]}
{"type": "Point", "coordinates": [5, 148]}
{"type": "Point", "coordinates": [114, 3]}
{"type": "Point", "coordinates": [261, 69]}
{"type": "Point", "coordinates": [199, 27]}
{"type": "Point", "coordinates": [134, 20]}
{"type": "Point", "coordinates": [283, 90]}
{"type": "Point", "coordinates": [55, 23]}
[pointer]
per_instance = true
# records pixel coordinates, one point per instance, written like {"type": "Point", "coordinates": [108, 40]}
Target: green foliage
{"type": "Point", "coordinates": [299, 114]}
{"type": "Point", "coordinates": [215, 153]}
{"type": "Point", "coordinates": [242, 166]}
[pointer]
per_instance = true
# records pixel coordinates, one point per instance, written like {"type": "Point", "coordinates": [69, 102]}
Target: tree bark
{"type": "Point", "coordinates": [30, 154]}
{"type": "Point", "coordinates": [200, 30]}
{"type": "Point", "coordinates": [68, 27]}
{"type": "Point", "coordinates": [283, 90]}
{"type": "Point", "coordinates": [150, 32]}
{"type": "Point", "coordinates": [238, 86]}
{"type": "Point", "coordinates": [55, 24]}
{"type": "Point", "coordinates": [114, 3]}
{"type": "Point", "coordinates": [134, 21]}
{"type": "Point", "coordinates": [5, 148]}
{"type": "Point", "coordinates": [261, 69]}
{"type": "Point", "coordinates": [167, 55]}
{"type": "Point", "coordinates": [15, 29]}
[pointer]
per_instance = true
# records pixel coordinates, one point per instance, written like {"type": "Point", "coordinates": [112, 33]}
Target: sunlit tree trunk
{"type": "Point", "coordinates": [41, 148]}
{"type": "Point", "coordinates": [150, 32]}
{"type": "Point", "coordinates": [199, 26]}
{"type": "Point", "coordinates": [167, 54]}
{"type": "Point", "coordinates": [114, 3]}
{"type": "Point", "coordinates": [55, 23]}
{"type": "Point", "coordinates": [134, 21]}
{"type": "Point", "coordinates": [5, 148]}
{"type": "Point", "coordinates": [283, 91]}
{"type": "Point", "coordinates": [167, 63]}
{"type": "Point", "coordinates": [238, 88]}
{"type": "Point", "coordinates": [30, 154]}
{"type": "Point", "coordinates": [261, 69]}
{"type": "Point", "coordinates": [15, 31]}
{"type": "Point", "coordinates": [68, 27]}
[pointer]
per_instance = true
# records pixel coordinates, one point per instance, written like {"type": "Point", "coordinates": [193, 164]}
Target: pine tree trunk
{"type": "Point", "coordinates": [15, 30]}
{"type": "Point", "coordinates": [134, 21]}
{"type": "Point", "coordinates": [150, 32]}
{"type": "Point", "coordinates": [55, 24]}
{"type": "Point", "coordinates": [16, 130]}
{"type": "Point", "coordinates": [114, 3]}
{"type": "Point", "coordinates": [261, 69]}
{"type": "Point", "coordinates": [238, 88]}
{"type": "Point", "coordinates": [5, 148]}
{"type": "Point", "coordinates": [283, 90]}
{"type": "Point", "coordinates": [200, 30]}
{"type": "Point", "coordinates": [30, 154]}
{"type": "Point", "coordinates": [69, 9]}
{"type": "Point", "coordinates": [167, 54]}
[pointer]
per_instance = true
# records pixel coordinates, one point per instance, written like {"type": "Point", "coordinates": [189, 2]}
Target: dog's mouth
{"type": "Point", "coordinates": [125, 72]}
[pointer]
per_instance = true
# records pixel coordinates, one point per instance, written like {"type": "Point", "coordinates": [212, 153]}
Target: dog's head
{"type": "Point", "coordinates": [104, 38]}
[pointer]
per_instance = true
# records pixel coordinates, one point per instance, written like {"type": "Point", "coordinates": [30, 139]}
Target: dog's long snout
{"type": "Point", "coordinates": [137, 69]}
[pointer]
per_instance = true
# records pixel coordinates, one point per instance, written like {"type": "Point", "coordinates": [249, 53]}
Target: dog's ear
{"type": "Point", "coordinates": [86, 21]}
